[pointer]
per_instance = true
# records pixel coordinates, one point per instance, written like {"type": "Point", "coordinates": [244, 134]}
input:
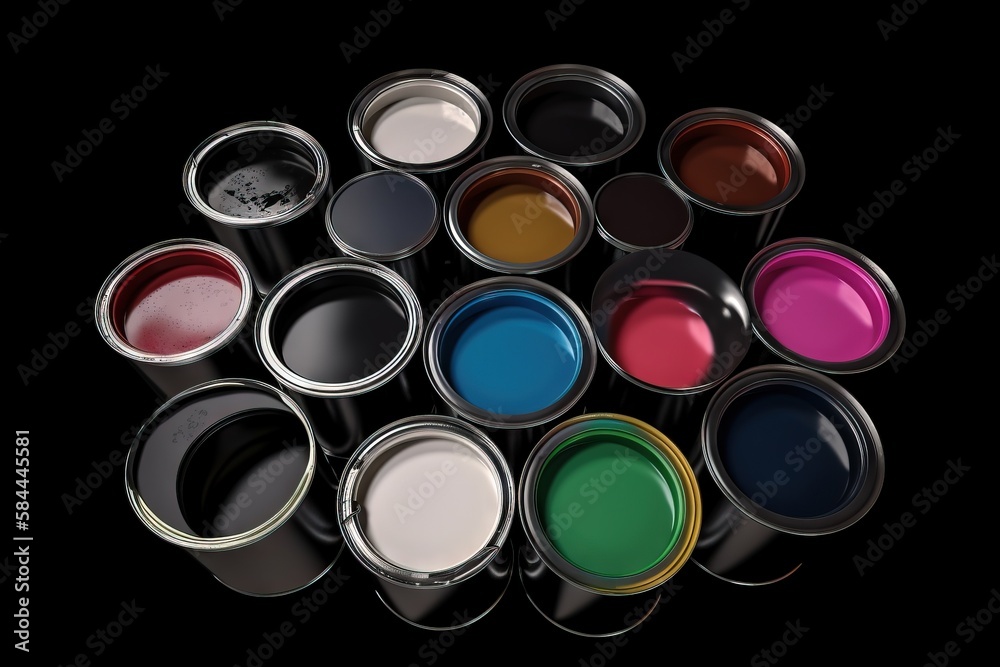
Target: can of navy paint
{"type": "Point", "coordinates": [582, 118]}
{"type": "Point", "coordinates": [425, 122]}
{"type": "Point", "coordinates": [426, 506]}
{"type": "Point", "coordinates": [612, 511]}
{"type": "Point", "coordinates": [510, 354]}
{"type": "Point", "coordinates": [338, 335]}
{"type": "Point", "coordinates": [740, 171]}
{"type": "Point", "coordinates": [229, 471]}
{"type": "Point", "coordinates": [181, 312]}
{"type": "Point", "coordinates": [786, 456]}
{"type": "Point", "coordinates": [823, 305]}
{"type": "Point", "coordinates": [259, 185]}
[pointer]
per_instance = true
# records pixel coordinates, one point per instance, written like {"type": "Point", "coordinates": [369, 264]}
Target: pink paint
{"type": "Point", "coordinates": [661, 340]}
{"type": "Point", "coordinates": [821, 305]}
{"type": "Point", "coordinates": [177, 302]}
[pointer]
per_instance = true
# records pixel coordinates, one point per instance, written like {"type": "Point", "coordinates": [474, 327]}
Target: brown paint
{"type": "Point", "coordinates": [519, 216]}
{"type": "Point", "coordinates": [730, 162]}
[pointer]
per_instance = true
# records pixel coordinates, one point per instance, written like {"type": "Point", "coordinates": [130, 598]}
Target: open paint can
{"type": "Point", "coordinates": [426, 506]}
{"type": "Point", "coordinates": [392, 218]}
{"type": "Point", "coordinates": [259, 185]}
{"type": "Point", "coordinates": [421, 121]}
{"type": "Point", "coordinates": [823, 305]}
{"type": "Point", "coordinates": [519, 216]}
{"type": "Point", "coordinates": [339, 335]}
{"type": "Point", "coordinates": [582, 118]}
{"type": "Point", "coordinates": [180, 311]}
{"type": "Point", "coordinates": [229, 471]}
{"type": "Point", "coordinates": [673, 325]}
{"type": "Point", "coordinates": [612, 511]}
{"type": "Point", "coordinates": [740, 171]}
{"type": "Point", "coordinates": [787, 455]}
{"type": "Point", "coordinates": [510, 354]}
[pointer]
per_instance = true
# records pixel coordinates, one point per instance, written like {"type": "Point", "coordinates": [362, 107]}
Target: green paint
{"type": "Point", "coordinates": [611, 503]}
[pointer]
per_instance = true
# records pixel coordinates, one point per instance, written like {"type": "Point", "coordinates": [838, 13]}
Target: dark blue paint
{"type": "Point", "coordinates": [790, 450]}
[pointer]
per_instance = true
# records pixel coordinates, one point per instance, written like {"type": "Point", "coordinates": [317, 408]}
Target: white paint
{"type": "Point", "coordinates": [429, 504]}
{"type": "Point", "coordinates": [422, 130]}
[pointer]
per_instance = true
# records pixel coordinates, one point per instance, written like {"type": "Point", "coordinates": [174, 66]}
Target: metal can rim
{"type": "Point", "coordinates": [307, 273]}
{"type": "Point", "coordinates": [607, 81]}
{"type": "Point", "coordinates": [103, 308]}
{"type": "Point", "coordinates": [669, 565]}
{"type": "Point", "coordinates": [870, 482]}
{"type": "Point", "coordinates": [381, 441]}
{"type": "Point", "coordinates": [191, 542]}
{"type": "Point", "coordinates": [358, 110]}
{"type": "Point", "coordinates": [320, 162]}
{"type": "Point", "coordinates": [796, 162]}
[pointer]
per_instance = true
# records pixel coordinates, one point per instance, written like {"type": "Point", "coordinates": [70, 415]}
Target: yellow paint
{"type": "Point", "coordinates": [520, 224]}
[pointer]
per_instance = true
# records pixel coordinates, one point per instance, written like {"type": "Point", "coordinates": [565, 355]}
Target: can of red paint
{"type": "Point", "coordinates": [740, 171]}
{"type": "Point", "coordinates": [181, 312]}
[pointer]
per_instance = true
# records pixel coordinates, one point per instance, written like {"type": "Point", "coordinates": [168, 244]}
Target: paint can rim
{"type": "Point", "coordinates": [534, 528]}
{"type": "Point", "coordinates": [132, 265]}
{"type": "Point", "coordinates": [881, 353]}
{"type": "Point", "coordinates": [397, 434]}
{"type": "Point", "coordinates": [309, 274]}
{"type": "Point", "coordinates": [768, 130]}
{"type": "Point", "coordinates": [866, 488]}
{"type": "Point", "coordinates": [320, 163]}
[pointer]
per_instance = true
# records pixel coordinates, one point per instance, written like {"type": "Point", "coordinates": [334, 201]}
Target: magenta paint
{"type": "Point", "coordinates": [823, 305]}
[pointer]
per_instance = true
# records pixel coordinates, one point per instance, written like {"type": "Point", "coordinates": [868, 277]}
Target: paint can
{"type": "Point", "coordinates": [510, 354]}
{"type": "Point", "coordinates": [636, 211]}
{"type": "Point", "coordinates": [425, 122]}
{"type": "Point", "coordinates": [786, 455]}
{"type": "Point", "coordinates": [582, 118]}
{"type": "Point", "coordinates": [180, 311]}
{"type": "Point", "coordinates": [229, 472]}
{"type": "Point", "coordinates": [392, 218]}
{"type": "Point", "coordinates": [612, 511]}
{"type": "Point", "coordinates": [338, 335]}
{"type": "Point", "coordinates": [518, 215]}
{"type": "Point", "coordinates": [426, 506]}
{"type": "Point", "coordinates": [259, 185]}
{"type": "Point", "coordinates": [672, 326]}
{"type": "Point", "coordinates": [823, 305]}
{"type": "Point", "coordinates": [740, 171]}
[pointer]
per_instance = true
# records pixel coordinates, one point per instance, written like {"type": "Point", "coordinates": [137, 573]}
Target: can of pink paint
{"type": "Point", "coordinates": [823, 305]}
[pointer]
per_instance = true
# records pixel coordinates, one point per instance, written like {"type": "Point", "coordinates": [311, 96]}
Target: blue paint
{"type": "Point", "coordinates": [790, 449]}
{"type": "Point", "coordinates": [511, 351]}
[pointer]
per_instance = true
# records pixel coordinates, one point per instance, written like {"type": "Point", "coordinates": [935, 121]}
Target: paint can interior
{"type": "Point", "coordinates": [228, 471]}
{"type": "Point", "coordinates": [611, 510]}
{"type": "Point", "coordinates": [392, 218]}
{"type": "Point", "coordinates": [580, 117]}
{"type": "Point", "coordinates": [786, 455]}
{"type": "Point", "coordinates": [739, 171]}
{"type": "Point", "coordinates": [510, 353]}
{"type": "Point", "coordinates": [519, 216]}
{"type": "Point", "coordinates": [421, 121]}
{"type": "Point", "coordinates": [673, 325]}
{"type": "Point", "coordinates": [426, 506]}
{"type": "Point", "coordinates": [258, 184]}
{"type": "Point", "coordinates": [339, 335]}
{"type": "Point", "coordinates": [180, 312]}
{"type": "Point", "coordinates": [823, 305]}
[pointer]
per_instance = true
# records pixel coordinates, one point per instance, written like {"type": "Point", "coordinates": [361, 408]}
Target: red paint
{"type": "Point", "coordinates": [177, 302]}
{"type": "Point", "coordinates": [659, 339]}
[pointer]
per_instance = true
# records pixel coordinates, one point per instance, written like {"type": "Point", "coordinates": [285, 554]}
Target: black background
{"type": "Point", "coordinates": [889, 98]}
